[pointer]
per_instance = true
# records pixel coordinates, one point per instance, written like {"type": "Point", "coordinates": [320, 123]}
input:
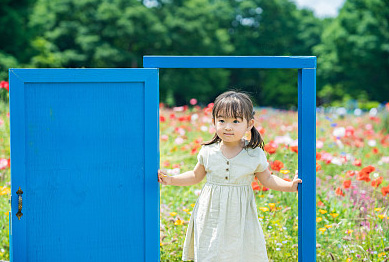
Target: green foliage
{"type": "Point", "coordinates": [354, 50]}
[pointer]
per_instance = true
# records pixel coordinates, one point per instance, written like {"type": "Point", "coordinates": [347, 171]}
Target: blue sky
{"type": "Point", "coordinates": [321, 8]}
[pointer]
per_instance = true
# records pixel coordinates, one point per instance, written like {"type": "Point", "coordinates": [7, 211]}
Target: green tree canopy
{"type": "Point", "coordinates": [353, 54]}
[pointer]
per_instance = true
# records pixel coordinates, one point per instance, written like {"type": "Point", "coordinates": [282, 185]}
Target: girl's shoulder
{"type": "Point", "coordinates": [209, 148]}
{"type": "Point", "coordinates": [256, 152]}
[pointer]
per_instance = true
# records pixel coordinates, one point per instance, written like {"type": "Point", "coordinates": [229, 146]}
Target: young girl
{"type": "Point", "coordinates": [224, 224]}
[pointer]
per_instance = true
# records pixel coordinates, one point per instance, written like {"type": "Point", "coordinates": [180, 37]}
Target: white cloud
{"type": "Point", "coordinates": [321, 8]}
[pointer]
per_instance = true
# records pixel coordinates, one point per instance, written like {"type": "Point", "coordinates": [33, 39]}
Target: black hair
{"type": "Point", "coordinates": [236, 104]}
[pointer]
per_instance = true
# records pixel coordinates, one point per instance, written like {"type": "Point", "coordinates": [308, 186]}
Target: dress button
{"type": "Point", "coordinates": [227, 169]}
{"type": "Point", "coordinates": [226, 177]}
{"type": "Point", "coordinates": [228, 162]}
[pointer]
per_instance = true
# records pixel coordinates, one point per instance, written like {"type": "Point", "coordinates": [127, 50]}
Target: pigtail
{"type": "Point", "coordinates": [256, 139]}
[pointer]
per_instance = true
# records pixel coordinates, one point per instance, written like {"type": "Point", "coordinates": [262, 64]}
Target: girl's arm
{"type": "Point", "coordinates": [277, 183]}
{"type": "Point", "coordinates": [185, 179]}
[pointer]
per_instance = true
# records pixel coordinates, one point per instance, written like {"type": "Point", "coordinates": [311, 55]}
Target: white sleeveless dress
{"type": "Point", "coordinates": [224, 225]}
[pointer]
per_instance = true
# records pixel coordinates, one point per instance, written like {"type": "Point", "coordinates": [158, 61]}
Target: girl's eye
{"type": "Point", "coordinates": [221, 121]}
{"type": "Point", "coordinates": [236, 121]}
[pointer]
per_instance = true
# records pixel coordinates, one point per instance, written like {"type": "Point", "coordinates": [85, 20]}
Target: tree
{"type": "Point", "coordinates": [14, 47]}
{"type": "Point", "coordinates": [354, 52]}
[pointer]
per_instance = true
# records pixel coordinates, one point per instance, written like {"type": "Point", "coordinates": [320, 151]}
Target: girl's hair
{"type": "Point", "coordinates": [236, 104]}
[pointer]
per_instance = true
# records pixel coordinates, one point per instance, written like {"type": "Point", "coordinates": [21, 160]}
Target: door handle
{"type": "Point", "coordinates": [19, 214]}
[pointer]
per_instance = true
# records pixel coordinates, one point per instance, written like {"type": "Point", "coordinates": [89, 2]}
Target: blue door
{"type": "Point", "coordinates": [84, 153]}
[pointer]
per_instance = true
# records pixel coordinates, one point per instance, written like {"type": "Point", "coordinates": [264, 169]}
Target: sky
{"type": "Point", "coordinates": [321, 8]}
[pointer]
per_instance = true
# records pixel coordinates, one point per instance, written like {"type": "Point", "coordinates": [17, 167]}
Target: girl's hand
{"type": "Point", "coordinates": [163, 178]}
{"type": "Point", "coordinates": [295, 183]}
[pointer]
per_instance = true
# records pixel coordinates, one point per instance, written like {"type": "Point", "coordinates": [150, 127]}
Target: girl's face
{"type": "Point", "coordinates": [231, 129]}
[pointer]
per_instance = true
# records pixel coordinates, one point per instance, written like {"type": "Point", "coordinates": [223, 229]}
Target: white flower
{"type": "Point", "coordinates": [357, 112]}
{"type": "Point", "coordinates": [197, 192]}
{"type": "Point", "coordinates": [341, 111]}
{"type": "Point", "coordinates": [207, 119]}
{"type": "Point", "coordinates": [179, 140]}
{"type": "Point", "coordinates": [204, 128]}
{"type": "Point", "coordinates": [373, 112]}
{"type": "Point", "coordinates": [339, 132]}
{"type": "Point", "coordinates": [319, 144]}
{"type": "Point", "coordinates": [372, 142]}
{"type": "Point", "coordinates": [339, 143]}
{"type": "Point", "coordinates": [336, 161]}
{"type": "Point", "coordinates": [3, 163]}
{"type": "Point", "coordinates": [194, 117]}
{"type": "Point", "coordinates": [174, 171]}
{"type": "Point", "coordinates": [286, 139]}
{"type": "Point", "coordinates": [181, 131]}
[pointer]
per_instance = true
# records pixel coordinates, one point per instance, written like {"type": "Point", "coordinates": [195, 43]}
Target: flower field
{"type": "Point", "coordinates": [352, 181]}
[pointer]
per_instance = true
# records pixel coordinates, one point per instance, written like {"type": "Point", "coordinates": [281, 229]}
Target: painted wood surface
{"type": "Point", "coordinates": [229, 62]}
{"type": "Point", "coordinates": [307, 164]}
{"type": "Point", "coordinates": [85, 152]}
{"type": "Point", "coordinates": [306, 126]}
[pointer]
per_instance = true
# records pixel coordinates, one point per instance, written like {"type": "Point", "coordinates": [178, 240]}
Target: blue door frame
{"type": "Point", "coordinates": [306, 66]}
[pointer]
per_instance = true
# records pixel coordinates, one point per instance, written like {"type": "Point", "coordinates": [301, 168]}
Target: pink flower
{"type": "Point", "coordinates": [193, 101]}
{"type": "Point", "coordinates": [3, 163]}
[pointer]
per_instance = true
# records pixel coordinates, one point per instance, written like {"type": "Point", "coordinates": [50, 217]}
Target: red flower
{"type": "Point", "coordinates": [375, 150]}
{"type": "Point", "coordinates": [270, 149]}
{"type": "Point", "coordinates": [194, 150]}
{"type": "Point", "coordinates": [294, 148]}
{"type": "Point", "coordinates": [255, 186]}
{"type": "Point", "coordinates": [357, 162]}
{"type": "Point", "coordinates": [166, 163]}
{"type": "Point", "coordinates": [5, 85]}
{"type": "Point", "coordinates": [351, 173]}
{"type": "Point", "coordinates": [347, 183]}
{"type": "Point", "coordinates": [385, 190]}
{"type": "Point", "coordinates": [318, 156]}
{"type": "Point", "coordinates": [368, 169]}
{"type": "Point", "coordinates": [359, 143]}
{"type": "Point", "coordinates": [162, 118]}
{"type": "Point", "coordinates": [339, 192]}
{"type": "Point", "coordinates": [319, 203]}
{"type": "Point", "coordinates": [363, 176]}
{"type": "Point", "coordinates": [261, 130]}
{"type": "Point", "coordinates": [318, 167]}
{"type": "Point", "coordinates": [277, 165]}
{"type": "Point", "coordinates": [377, 182]}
